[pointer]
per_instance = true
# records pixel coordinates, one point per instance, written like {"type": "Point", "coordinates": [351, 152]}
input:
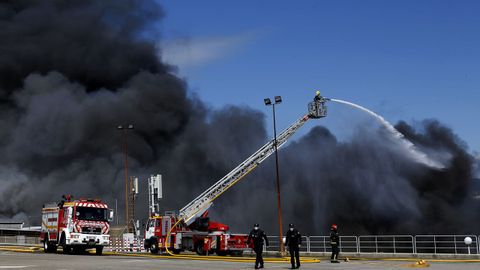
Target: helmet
{"type": "Point", "coordinates": [291, 225]}
{"type": "Point", "coordinates": [334, 226]}
{"type": "Point", "coordinates": [256, 225]}
{"type": "Point", "coordinates": [317, 93]}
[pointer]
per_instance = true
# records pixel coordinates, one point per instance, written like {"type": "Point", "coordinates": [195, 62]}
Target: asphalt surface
{"type": "Point", "coordinates": [36, 260]}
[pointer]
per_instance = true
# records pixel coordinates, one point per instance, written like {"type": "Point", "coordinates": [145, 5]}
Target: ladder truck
{"type": "Point", "coordinates": [192, 229]}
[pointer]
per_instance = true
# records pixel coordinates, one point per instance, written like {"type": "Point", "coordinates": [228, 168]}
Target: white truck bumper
{"type": "Point", "coordinates": [89, 239]}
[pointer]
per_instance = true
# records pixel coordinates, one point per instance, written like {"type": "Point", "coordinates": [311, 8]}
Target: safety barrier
{"type": "Point", "coordinates": [126, 245]}
{"type": "Point", "coordinates": [21, 240]}
{"type": "Point", "coordinates": [386, 244]}
{"type": "Point", "coordinates": [390, 244]}
{"type": "Point", "coordinates": [446, 244]}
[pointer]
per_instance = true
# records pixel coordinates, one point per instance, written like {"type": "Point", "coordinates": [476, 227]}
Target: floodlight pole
{"type": "Point", "coordinates": [125, 150]}
{"type": "Point", "coordinates": [278, 100]}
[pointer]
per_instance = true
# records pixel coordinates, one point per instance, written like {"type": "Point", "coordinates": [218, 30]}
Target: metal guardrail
{"type": "Point", "coordinates": [19, 240]}
{"type": "Point", "coordinates": [386, 244]}
{"type": "Point", "coordinates": [389, 244]}
{"type": "Point", "coordinates": [446, 244]}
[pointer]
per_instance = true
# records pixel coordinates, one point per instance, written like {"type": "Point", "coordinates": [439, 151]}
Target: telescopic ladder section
{"type": "Point", "coordinates": [199, 205]}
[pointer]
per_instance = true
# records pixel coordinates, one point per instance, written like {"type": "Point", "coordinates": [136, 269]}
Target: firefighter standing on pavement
{"type": "Point", "coordinates": [334, 242]}
{"type": "Point", "coordinates": [293, 242]}
{"type": "Point", "coordinates": [257, 236]}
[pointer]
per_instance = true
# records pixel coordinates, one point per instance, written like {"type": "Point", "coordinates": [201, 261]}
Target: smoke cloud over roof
{"type": "Point", "coordinates": [71, 71]}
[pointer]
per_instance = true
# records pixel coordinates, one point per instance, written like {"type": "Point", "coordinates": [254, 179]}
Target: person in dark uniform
{"type": "Point", "coordinates": [317, 97]}
{"type": "Point", "coordinates": [293, 242]}
{"type": "Point", "coordinates": [334, 242]}
{"type": "Point", "coordinates": [257, 236]}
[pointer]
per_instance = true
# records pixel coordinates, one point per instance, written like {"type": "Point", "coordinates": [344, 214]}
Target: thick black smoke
{"type": "Point", "coordinates": [71, 71]}
{"type": "Point", "coordinates": [95, 43]}
{"type": "Point", "coordinates": [365, 185]}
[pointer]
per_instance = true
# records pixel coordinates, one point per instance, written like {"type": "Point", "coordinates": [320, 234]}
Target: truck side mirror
{"type": "Point", "coordinates": [110, 215]}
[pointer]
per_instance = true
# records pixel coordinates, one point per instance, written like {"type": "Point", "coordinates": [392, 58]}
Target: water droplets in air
{"type": "Point", "coordinates": [408, 145]}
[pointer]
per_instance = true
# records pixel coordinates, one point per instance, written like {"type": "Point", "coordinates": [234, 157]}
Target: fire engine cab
{"type": "Point", "coordinates": [76, 225]}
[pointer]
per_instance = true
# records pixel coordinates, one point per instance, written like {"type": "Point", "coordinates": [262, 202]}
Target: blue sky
{"type": "Point", "coordinates": [406, 60]}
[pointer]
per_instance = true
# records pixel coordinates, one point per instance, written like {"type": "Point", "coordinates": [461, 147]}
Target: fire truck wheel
{"type": "Point", "coordinates": [99, 250]}
{"type": "Point", "coordinates": [154, 247]}
{"type": "Point", "coordinates": [66, 248]}
{"type": "Point", "coordinates": [199, 249]}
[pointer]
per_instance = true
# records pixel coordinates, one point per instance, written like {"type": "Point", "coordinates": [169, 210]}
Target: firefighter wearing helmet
{"type": "Point", "coordinates": [257, 236]}
{"type": "Point", "coordinates": [317, 97]}
{"type": "Point", "coordinates": [334, 242]}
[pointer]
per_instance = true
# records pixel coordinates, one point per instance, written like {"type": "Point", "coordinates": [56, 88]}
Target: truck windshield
{"type": "Point", "coordinates": [90, 213]}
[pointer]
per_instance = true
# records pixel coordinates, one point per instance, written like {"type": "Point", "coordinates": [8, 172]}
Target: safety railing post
{"type": "Point", "coordinates": [358, 244]}
{"type": "Point", "coordinates": [455, 243]}
{"type": "Point", "coordinates": [434, 245]}
{"type": "Point", "coordinates": [394, 248]}
{"type": "Point", "coordinates": [478, 245]}
{"type": "Point", "coordinates": [308, 244]}
{"type": "Point", "coordinates": [414, 244]}
{"type": "Point", "coordinates": [324, 245]}
{"type": "Point", "coordinates": [340, 243]}
{"type": "Point", "coordinates": [376, 244]}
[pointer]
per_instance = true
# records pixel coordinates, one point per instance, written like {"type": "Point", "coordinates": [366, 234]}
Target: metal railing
{"type": "Point", "coordinates": [389, 244]}
{"type": "Point", "coordinates": [19, 240]}
{"type": "Point", "coordinates": [386, 244]}
{"type": "Point", "coordinates": [446, 244]}
{"type": "Point", "coordinates": [378, 244]}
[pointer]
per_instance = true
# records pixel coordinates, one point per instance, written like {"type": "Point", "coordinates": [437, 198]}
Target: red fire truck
{"type": "Point", "coordinates": [202, 236]}
{"type": "Point", "coordinates": [191, 229]}
{"type": "Point", "coordinates": [76, 225]}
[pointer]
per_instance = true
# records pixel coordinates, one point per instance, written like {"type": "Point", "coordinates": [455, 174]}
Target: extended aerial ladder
{"type": "Point", "coordinates": [316, 109]}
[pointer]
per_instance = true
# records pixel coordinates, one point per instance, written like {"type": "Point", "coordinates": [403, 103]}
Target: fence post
{"type": "Point", "coordinates": [376, 244]}
{"type": "Point", "coordinates": [340, 243]}
{"type": "Point", "coordinates": [414, 244]}
{"type": "Point", "coordinates": [358, 244]}
{"type": "Point", "coordinates": [394, 247]}
{"type": "Point", "coordinates": [434, 245]}
{"type": "Point", "coordinates": [324, 245]}
{"type": "Point", "coordinates": [455, 243]}
{"type": "Point", "coordinates": [308, 244]}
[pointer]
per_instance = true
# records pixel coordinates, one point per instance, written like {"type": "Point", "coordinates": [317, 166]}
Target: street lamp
{"type": "Point", "coordinates": [268, 102]}
{"type": "Point", "coordinates": [125, 148]}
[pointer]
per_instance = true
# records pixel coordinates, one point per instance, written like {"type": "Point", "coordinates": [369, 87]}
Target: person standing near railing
{"type": "Point", "coordinates": [257, 236]}
{"type": "Point", "coordinates": [293, 242]}
{"type": "Point", "coordinates": [334, 242]}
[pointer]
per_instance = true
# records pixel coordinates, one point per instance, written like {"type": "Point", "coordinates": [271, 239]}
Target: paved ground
{"type": "Point", "coordinates": [16, 260]}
